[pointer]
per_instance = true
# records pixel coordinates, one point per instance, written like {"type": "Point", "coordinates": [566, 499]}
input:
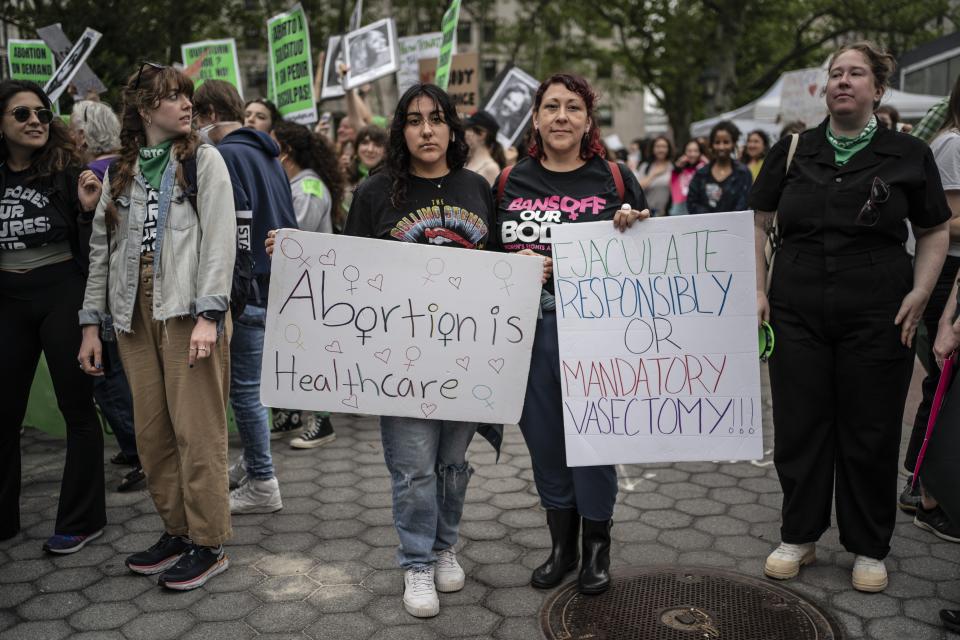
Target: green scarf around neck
{"type": "Point", "coordinates": [846, 148]}
{"type": "Point", "coordinates": [153, 162]}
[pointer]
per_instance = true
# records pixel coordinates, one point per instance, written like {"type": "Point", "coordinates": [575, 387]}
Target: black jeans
{"type": "Point", "coordinates": [38, 313]}
{"type": "Point", "coordinates": [931, 320]}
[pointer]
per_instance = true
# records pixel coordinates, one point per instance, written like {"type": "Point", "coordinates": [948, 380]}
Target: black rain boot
{"type": "Point", "coordinates": [595, 571]}
{"type": "Point", "coordinates": [564, 527]}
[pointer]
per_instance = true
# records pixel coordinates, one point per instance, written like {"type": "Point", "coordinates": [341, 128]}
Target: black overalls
{"type": "Point", "coordinates": [839, 374]}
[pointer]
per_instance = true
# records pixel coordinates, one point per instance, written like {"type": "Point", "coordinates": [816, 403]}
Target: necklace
{"type": "Point", "coordinates": [437, 184]}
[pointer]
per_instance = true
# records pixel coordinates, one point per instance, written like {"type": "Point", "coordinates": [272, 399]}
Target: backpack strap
{"type": "Point", "coordinates": [502, 183]}
{"type": "Point", "coordinates": [617, 179]}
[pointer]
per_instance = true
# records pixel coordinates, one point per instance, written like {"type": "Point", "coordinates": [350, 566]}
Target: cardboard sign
{"type": "Point", "coordinates": [657, 326]}
{"type": "Point", "coordinates": [30, 60]}
{"type": "Point", "coordinates": [85, 80]}
{"type": "Point", "coordinates": [370, 53]}
{"type": "Point", "coordinates": [464, 80]}
{"type": "Point", "coordinates": [71, 64]}
{"type": "Point", "coordinates": [213, 60]}
{"type": "Point", "coordinates": [379, 327]}
{"type": "Point", "coordinates": [412, 50]}
{"type": "Point", "coordinates": [291, 65]}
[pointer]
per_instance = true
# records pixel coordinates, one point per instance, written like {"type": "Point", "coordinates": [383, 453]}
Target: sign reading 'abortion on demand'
{"type": "Point", "coordinates": [658, 340]}
{"type": "Point", "coordinates": [357, 325]}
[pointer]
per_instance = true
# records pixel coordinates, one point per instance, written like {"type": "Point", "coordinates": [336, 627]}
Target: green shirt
{"type": "Point", "coordinates": [846, 148]}
{"type": "Point", "coordinates": [153, 162]}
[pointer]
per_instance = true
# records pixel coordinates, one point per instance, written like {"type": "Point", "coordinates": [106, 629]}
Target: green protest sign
{"type": "Point", "coordinates": [449, 28]}
{"type": "Point", "coordinates": [212, 60]}
{"type": "Point", "coordinates": [291, 65]}
{"type": "Point", "coordinates": [30, 60]}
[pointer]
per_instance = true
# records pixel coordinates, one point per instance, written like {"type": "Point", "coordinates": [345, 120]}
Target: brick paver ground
{"type": "Point", "coordinates": [324, 568]}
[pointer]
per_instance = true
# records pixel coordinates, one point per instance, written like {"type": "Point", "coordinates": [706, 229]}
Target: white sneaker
{"type": "Point", "coordinates": [449, 574]}
{"type": "Point", "coordinates": [256, 496]}
{"type": "Point", "coordinates": [869, 574]}
{"type": "Point", "coordinates": [419, 593]}
{"type": "Point", "coordinates": [237, 473]}
{"type": "Point", "coordinates": [785, 561]}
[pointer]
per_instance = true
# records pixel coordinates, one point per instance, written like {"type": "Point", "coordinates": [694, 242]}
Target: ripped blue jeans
{"type": "Point", "coordinates": [429, 472]}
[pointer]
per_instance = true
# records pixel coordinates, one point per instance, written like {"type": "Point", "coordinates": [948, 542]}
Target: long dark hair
{"type": "Point", "coordinates": [398, 155]}
{"type": "Point", "coordinates": [953, 108]}
{"type": "Point", "coordinates": [59, 152]}
{"type": "Point", "coordinates": [312, 151]}
{"type": "Point", "coordinates": [590, 145]}
{"type": "Point", "coordinates": [272, 108]}
{"type": "Point", "coordinates": [154, 85]}
{"type": "Point", "coordinates": [378, 136]}
{"type": "Point", "coordinates": [492, 144]}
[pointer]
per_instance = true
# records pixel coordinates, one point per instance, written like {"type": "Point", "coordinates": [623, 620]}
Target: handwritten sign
{"type": "Point", "coordinates": [800, 97]}
{"type": "Point", "coordinates": [357, 325]}
{"type": "Point", "coordinates": [658, 340]}
{"type": "Point", "coordinates": [463, 80]}
{"type": "Point", "coordinates": [291, 65]}
{"type": "Point", "coordinates": [213, 60]}
{"type": "Point", "coordinates": [412, 49]}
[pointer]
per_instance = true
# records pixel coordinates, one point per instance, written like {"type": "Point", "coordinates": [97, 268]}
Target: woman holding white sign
{"type": "Point", "coordinates": [845, 302]}
{"type": "Point", "coordinates": [565, 179]}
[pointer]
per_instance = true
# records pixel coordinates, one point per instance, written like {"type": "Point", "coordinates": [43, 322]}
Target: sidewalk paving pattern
{"type": "Point", "coordinates": [324, 567]}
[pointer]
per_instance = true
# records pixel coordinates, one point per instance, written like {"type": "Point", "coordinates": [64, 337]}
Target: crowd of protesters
{"type": "Point", "coordinates": [153, 227]}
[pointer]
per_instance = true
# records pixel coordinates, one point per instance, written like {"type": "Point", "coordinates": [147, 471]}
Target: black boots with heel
{"type": "Point", "coordinates": [595, 570]}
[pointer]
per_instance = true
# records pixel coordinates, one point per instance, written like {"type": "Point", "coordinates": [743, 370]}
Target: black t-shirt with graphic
{"type": "Point", "coordinates": [454, 212]}
{"type": "Point", "coordinates": [149, 242]}
{"type": "Point", "coordinates": [535, 198]}
{"type": "Point", "coordinates": [28, 217]}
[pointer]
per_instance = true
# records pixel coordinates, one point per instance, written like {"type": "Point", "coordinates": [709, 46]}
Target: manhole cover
{"type": "Point", "coordinates": [685, 603]}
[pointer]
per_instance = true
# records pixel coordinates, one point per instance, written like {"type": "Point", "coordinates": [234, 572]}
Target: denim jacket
{"type": "Point", "coordinates": [195, 251]}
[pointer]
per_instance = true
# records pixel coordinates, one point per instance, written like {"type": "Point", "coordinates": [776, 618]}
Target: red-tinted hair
{"type": "Point", "coordinates": [590, 145]}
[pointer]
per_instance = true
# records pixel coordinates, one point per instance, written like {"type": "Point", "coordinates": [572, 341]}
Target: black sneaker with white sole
{"type": "Point", "coordinates": [194, 568]}
{"type": "Point", "coordinates": [160, 557]}
{"type": "Point", "coordinates": [319, 434]}
{"type": "Point", "coordinates": [936, 522]}
{"type": "Point", "coordinates": [909, 500]}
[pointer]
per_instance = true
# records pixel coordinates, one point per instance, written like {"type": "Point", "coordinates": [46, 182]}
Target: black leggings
{"type": "Point", "coordinates": [38, 313]}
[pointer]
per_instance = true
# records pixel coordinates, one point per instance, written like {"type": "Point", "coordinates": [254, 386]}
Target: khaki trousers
{"type": "Point", "coordinates": [180, 419]}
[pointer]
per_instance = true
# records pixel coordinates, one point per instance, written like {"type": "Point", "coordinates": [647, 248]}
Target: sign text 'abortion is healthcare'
{"type": "Point", "coordinates": [357, 325]}
{"type": "Point", "coordinates": [658, 340]}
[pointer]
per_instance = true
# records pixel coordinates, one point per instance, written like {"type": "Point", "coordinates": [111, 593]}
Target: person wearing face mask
{"type": "Point", "coordinates": [261, 114]}
{"type": "Point", "coordinates": [844, 301]}
{"type": "Point", "coordinates": [723, 184]}
{"type": "Point", "coordinates": [161, 258]}
{"type": "Point", "coordinates": [261, 193]}
{"type": "Point", "coordinates": [44, 226]}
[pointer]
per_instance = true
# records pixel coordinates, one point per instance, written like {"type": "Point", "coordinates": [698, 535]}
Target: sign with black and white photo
{"type": "Point", "coordinates": [85, 80]}
{"type": "Point", "coordinates": [371, 53]}
{"type": "Point", "coordinates": [331, 74]}
{"type": "Point", "coordinates": [71, 64]}
{"type": "Point", "coordinates": [510, 104]}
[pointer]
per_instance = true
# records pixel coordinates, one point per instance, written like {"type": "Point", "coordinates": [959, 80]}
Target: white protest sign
{"type": "Point", "coordinates": [659, 358]}
{"type": "Point", "coordinates": [412, 50]}
{"type": "Point", "coordinates": [72, 64]}
{"type": "Point", "coordinates": [800, 97]}
{"type": "Point", "coordinates": [358, 325]}
{"type": "Point", "coordinates": [84, 80]}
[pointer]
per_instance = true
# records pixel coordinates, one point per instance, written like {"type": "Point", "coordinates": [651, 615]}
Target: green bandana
{"type": "Point", "coordinates": [153, 162]}
{"type": "Point", "coordinates": [846, 148]}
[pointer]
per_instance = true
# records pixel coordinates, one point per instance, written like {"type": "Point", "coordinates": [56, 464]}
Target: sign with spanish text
{"type": "Point", "coordinates": [659, 359]}
{"type": "Point", "coordinates": [412, 50]}
{"type": "Point", "coordinates": [361, 325]}
{"type": "Point", "coordinates": [291, 65]}
{"type": "Point", "coordinates": [464, 80]}
{"type": "Point", "coordinates": [212, 60]}
{"type": "Point", "coordinates": [30, 60]}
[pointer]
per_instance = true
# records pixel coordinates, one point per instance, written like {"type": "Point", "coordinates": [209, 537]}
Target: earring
{"type": "Point", "coordinates": [149, 122]}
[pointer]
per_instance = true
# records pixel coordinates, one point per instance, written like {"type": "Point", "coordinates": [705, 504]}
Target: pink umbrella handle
{"type": "Point", "coordinates": [946, 376]}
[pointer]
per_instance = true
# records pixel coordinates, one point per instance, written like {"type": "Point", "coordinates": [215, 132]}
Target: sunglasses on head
{"type": "Point", "coordinates": [144, 65]}
{"type": "Point", "coordinates": [22, 114]}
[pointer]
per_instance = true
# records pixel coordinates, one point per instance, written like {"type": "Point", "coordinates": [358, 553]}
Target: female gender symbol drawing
{"type": "Point", "coordinates": [351, 274]}
{"type": "Point", "coordinates": [483, 393]}
{"type": "Point", "coordinates": [413, 354]}
{"type": "Point", "coordinates": [294, 335]}
{"type": "Point", "coordinates": [503, 271]}
{"type": "Point", "coordinates": [435, 267]}
{"type": "Point", "coordinates": [289, 247]}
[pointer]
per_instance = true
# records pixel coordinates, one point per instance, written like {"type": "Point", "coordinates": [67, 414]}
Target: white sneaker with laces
{"type": "Point", "coordinates": [869, 574]}
{"type": "Point", "coordinates": [785, 561]}
{"type": "Point", "coordinates": [256, 496]}
{"type": "Point", "coordinates": [237, 474]}
{"type": "Point", "coordinates": [449, 574]}
{"type": "Point", "coordinates": [419, 593]}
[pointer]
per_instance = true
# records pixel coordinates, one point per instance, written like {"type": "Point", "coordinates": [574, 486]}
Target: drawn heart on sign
{"type": "Point", "coordinates": [329, 258]}
{"type": "Point", "coordinates": [464, 362]}
{"type": "Point", "coordinates": [376, 282]}
{"type": "Point", "coordinates": [350, 402]}
{"type": "Point", "coordinates": [496, 364]}
{"type": "Point", "coordinates": [383, 356]}
{"type": "Point", "coordinates": [334, 347]}
{"type": "Point", "coordinates": [427, 408]}
{"type": "Point", "coordinates": [812, 88]}
{"type": "Point", "coordinates": [455, 281]}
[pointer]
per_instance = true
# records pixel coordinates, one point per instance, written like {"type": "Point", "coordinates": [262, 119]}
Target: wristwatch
{"type": "Point", "coordinates": [211, 315]}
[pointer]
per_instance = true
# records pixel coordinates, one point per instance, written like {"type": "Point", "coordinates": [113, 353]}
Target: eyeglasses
{"type": "Point", "coordinates": [144, 65]}
{"type": "Point", "coordinates": [869, 213]}
{"type": "Point", "coordinates": [22, 114]}
{"type": "Point", "coordinates": [417, 121]}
